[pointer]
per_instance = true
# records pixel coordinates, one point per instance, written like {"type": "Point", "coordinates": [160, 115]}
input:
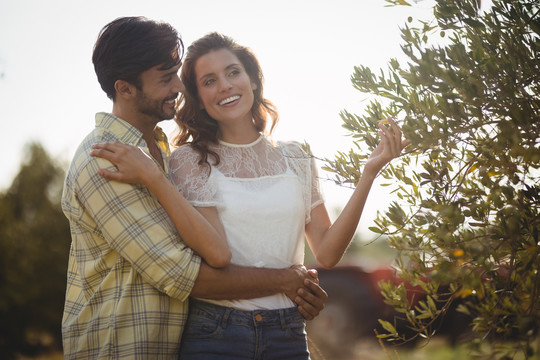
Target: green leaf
{"type": "Point", "coordinates": [473, 23]}
{"type": "Point", "coordinates": [388, 327]}
{"type": "Point", "coordinates": [375, 230]}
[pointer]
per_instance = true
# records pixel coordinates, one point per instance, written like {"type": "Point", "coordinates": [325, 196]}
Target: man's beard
{"type": "Point", "coordinates": [153, 107]}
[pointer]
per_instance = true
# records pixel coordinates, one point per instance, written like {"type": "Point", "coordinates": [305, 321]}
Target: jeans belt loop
{"type": "Point", "coordinates": [225, 318]}
{"type": "Point", "coordinates": [282, 319]}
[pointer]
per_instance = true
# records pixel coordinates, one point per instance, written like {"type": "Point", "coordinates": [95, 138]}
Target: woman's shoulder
{"type": "Point", "coordinates": [182, 150]}
{"type": "Point", "coordinates": [184, 155]}
{"type": "Point", "coordinates": [294, 148]}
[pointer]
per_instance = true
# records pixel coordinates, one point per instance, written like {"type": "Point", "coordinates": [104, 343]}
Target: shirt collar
{"type": "Point", "coordinates": [128, 134]}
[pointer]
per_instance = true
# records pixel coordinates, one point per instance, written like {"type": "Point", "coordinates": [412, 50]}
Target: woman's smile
{"type": "Point", "coordinates": [230, 100]}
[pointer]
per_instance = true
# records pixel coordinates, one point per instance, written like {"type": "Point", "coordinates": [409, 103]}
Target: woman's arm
{"type": "Point", "coordinates": [329, 241]}
{"type": "Point", "coordinates": [236, 282]}
{"type": "Point", "coordinates": [206, 237]}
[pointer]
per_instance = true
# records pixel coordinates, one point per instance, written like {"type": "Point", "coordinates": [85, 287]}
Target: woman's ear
{"type": "Point", "coordinates": [253, 86]}
{"type": "Point", "coordinates": [124, 89]}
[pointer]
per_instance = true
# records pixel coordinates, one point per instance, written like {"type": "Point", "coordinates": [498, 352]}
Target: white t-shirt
{"type": "Point", "coordinates": [263, 194]}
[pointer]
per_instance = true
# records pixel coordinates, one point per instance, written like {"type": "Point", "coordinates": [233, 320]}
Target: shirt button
{"type": "Point", "coordinates": [258, 317]}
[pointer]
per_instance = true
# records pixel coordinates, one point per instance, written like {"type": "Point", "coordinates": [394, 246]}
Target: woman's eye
{"type": "Point", "coordinates": [209, 82]}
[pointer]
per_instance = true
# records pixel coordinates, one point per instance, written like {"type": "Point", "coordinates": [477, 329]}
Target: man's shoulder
{"type": "Point", "coordinates": [82, 164]}
{"type": "Point", "coordinates": [96, 136]}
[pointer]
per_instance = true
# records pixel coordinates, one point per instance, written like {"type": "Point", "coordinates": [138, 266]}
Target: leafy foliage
{"type": "Point", "coordinates": [466, 216]}
{"type": "Point", "coordinates": [34, 247]}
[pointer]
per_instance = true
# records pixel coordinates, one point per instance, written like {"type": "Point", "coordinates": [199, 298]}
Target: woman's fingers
{"type": "Point", "coordinates": [387, 140]}
{"type": "Point", "coordinates": [109, 146]}
{"type": "Point", "coordinates": [394, 136]}
{"type": "Point", "coordinates": [103, 154]}
{"type": "Point", "coordinates": [405, 143]}
{"type": "Point", "coordinates": [117, 152]}
{"type": "Point", "coordinates": [389, 147]}
{"type": "Point", "coordinates": [119, 155]}
{"type": "Point", "coordinates": [106, 150]}
{"type": "Point", "coordinates": [110, 175]}
{"type": "Point", "coordinates": [396, 139]}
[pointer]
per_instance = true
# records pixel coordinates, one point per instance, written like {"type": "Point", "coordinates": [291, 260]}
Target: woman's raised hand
{"type": "Point", "coordinates": [389, 148]}
{"type": "Point", "coordinates": [133, 164]}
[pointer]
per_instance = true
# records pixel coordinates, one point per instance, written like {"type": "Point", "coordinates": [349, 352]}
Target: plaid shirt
{"type": "Point", "coordinates": [129, 273]}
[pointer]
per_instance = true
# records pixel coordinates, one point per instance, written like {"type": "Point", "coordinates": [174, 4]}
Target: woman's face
{"type": "Point", "coordinates": [224, 87]}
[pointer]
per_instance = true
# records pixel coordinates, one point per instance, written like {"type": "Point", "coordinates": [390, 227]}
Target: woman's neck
{"type": "Point", "coordinates": [240, 135]}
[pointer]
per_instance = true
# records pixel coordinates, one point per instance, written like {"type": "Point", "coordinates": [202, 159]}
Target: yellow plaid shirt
{"type": "Point", "coordinates": [129, 273]}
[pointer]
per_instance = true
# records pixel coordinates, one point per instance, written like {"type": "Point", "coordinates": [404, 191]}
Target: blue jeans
{"type": "Point", "coordinates": [215, 332]}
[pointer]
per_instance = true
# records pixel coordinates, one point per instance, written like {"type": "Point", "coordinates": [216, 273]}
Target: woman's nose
{"type": "Point", "coordinates": [224, 84]}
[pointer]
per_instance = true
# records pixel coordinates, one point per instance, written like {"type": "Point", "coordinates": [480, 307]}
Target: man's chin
{"type": "Point", "coordinates": [169, 115]}
{"type": "Point", "coordinates": [166, 116]}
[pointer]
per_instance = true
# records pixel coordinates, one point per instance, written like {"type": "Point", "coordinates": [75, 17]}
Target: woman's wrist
{"type": "Point", "coordinates": [369, 173]}
{"type": "Point", "coordinates": [153, 178]}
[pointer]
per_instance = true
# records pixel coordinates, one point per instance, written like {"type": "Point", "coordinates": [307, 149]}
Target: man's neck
{"type": "Point", "coordinates": [135, 118]}
{"type": "Point", "coordinates": [144, 125]}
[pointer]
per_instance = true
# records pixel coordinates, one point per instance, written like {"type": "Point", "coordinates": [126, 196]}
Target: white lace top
{"type": "Point", "coordinates": [264, 195]}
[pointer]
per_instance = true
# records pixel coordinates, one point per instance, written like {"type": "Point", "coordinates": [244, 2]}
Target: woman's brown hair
{"type": "Point", "coordinates": [195, 126]}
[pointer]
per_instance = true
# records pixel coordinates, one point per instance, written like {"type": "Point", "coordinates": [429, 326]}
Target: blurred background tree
{"type": "Point", "coordinates": [466, 217]}
{"type": "Point", "coordinates": [34, 247]}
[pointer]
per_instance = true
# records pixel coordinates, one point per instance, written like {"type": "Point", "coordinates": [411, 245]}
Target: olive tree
{"type": "Point", "coordinates": [465, 218]}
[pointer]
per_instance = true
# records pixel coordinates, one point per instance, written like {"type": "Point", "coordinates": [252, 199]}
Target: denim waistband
{"type": "Point", "coordinates": [229, 315]}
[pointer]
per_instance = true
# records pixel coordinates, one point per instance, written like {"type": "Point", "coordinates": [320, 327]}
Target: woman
{"type": "Point", "coordinates": [263, 197]}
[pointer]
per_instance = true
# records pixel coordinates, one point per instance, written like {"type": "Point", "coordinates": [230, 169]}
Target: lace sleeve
{"type": "Point", "coordinates": [304, 166]}
{"type": "Point", "coordinates": [190, 178]}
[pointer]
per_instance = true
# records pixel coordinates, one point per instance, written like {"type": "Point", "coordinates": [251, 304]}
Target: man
{"type": "Point", "coordinates": [130, 274]}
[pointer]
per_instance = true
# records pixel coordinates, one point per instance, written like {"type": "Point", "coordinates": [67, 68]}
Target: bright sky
{"type": "Point", "coordinates": [307, 49]}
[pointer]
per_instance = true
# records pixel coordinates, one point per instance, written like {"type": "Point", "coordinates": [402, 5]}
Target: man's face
{"type": "Point", "coordinates": [158, 93]}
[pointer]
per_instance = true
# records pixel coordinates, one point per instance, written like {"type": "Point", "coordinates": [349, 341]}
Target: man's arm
{"type": "Point", "coordinates": [236, 282]}
{"type": "Point", "coordinates": [134, 224]}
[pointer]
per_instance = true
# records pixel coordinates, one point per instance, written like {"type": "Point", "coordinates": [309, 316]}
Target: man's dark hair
{"type": "Point", "coordinates": [128, 46]}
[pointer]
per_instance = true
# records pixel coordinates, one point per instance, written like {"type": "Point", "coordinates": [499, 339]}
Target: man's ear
{"type": "Point", "coordinates": [124, 89]}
